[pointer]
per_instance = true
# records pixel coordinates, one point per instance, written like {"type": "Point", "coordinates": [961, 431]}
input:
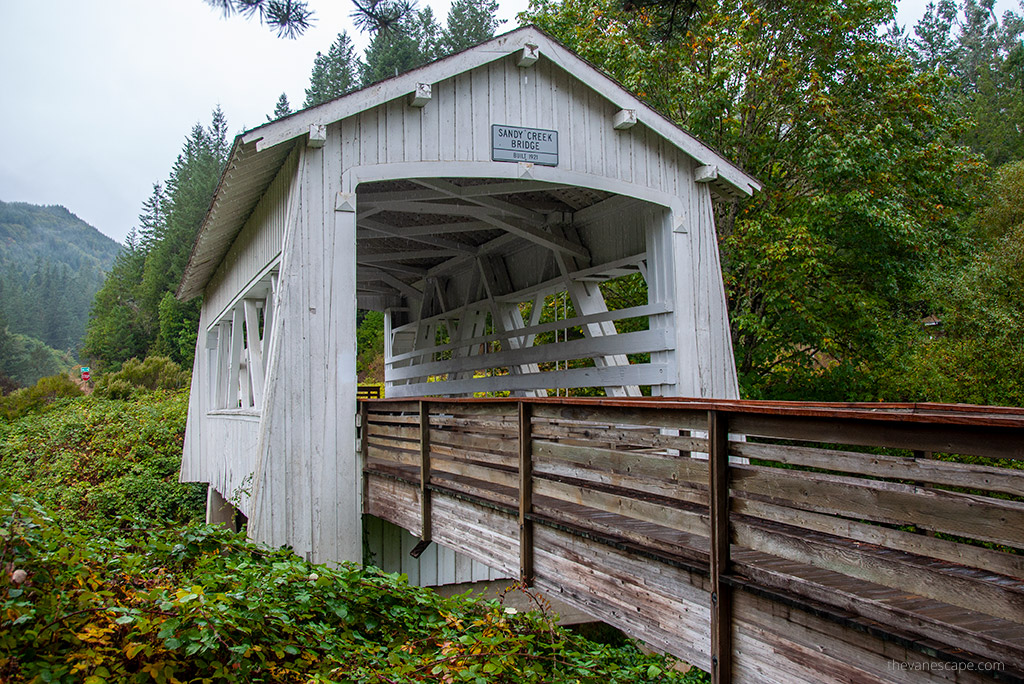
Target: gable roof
{"type": "Point", "coordinates": [258, 154]}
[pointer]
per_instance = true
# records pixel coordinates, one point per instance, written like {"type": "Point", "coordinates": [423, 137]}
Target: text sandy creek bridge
{"type": "Point", "coordinates": [830, 543]}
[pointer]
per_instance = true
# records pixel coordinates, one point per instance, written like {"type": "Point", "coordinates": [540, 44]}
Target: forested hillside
{"type": "Point", "coordinates": [51, 265]}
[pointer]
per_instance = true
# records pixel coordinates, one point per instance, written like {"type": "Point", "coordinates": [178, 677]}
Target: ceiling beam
{"type": "Point", "coordinates": [539, 236]}
{"type": "Point", "coordinates": [440, 228]}
{"type": "Point", "coordinates": [455, 192]}
{"type": "Point", "coordinates": [391, 231]}
{"type": "Point", "coordinates": [414, 271]}
{"type": "Point", "coordinates": [486, 190]}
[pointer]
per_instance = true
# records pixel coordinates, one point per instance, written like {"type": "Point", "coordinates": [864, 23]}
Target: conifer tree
{"type": "Point", "coordinates": [130, 316]}
{"type": "Point", "coordinates": [334, 74]}
{"type": "Point", "coordinates": [934, 43]}
{"type": "Point", "coordinates": [282, 108]}
{"type": "Point", "coordinates": [405, 46]}
{"type": "Point", "coordinates": [982, 56]}
{"type": "Point", "coordinates": [469, 22]}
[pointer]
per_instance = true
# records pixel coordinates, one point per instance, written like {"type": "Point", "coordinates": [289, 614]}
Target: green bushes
{"type": "Point", "coordinates": [30, 399]}
{"type": "Point", "coordinates": [93, 459]}
{"type": "Point", "coordinates": [201, 604]}
{"type": "Point", "coordinates": [155, 373]}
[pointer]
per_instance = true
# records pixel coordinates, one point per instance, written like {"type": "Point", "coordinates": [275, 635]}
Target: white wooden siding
{"type": "Point", "coordinates": [390, 545]}
{"type": "Point", "coordinates": [219, 449]}
{"type": "Point", "coordinates": [256, 246]}
{"type": "Point", "coordinates": [306, 488]}
{"type": "Point", "coordinates": [455, 126]}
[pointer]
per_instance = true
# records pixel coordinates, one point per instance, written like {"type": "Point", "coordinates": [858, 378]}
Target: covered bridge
{"type": "Point", "coordinates": [463, 199]}
{"type": "Point", "coordinates": [444, 197]}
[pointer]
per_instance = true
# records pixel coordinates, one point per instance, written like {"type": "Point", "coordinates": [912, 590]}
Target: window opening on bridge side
{"type": "Point", "coordinates": [237, 348]}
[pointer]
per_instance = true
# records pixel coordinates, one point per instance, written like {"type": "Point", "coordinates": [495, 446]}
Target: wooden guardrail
{"type": "Point", "coordinates": [900, 520]}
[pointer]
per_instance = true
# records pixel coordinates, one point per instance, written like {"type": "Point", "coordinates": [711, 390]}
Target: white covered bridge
{"type": "Point", "coordinates": [458, 199]}
{"type": "Point", "coordinates": [391, 199]}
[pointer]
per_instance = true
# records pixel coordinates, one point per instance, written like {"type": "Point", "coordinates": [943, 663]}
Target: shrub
{"type": "Point", "coordinates": [31, 399]}
{"type": "Point", "coordinates": [154, 373]}
{"type": "Point", "coordinates": [202, 604]}
{"type": "Point", "coordinates": [92, 459]}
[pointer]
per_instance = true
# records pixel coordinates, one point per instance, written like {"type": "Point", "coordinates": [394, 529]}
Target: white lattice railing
{"type": "Point", "coordinates": [494, 350]}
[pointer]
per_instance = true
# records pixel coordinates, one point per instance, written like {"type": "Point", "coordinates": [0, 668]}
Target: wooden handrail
{"type": "Point", "coordinates": [838, 487]}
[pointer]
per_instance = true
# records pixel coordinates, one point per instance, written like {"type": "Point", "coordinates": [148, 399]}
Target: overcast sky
{"type": "Point", "coordinates": [99, 95]}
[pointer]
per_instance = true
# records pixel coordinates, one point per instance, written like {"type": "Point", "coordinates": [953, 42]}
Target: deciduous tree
{"type": "Point", "coordinates": [864, 180]}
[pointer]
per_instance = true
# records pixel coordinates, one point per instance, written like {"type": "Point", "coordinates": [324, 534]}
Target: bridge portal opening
{"type": "Point", "coordinates": [501, 287]}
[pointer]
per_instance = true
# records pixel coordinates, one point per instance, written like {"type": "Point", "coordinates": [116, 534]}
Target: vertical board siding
{"type": "Point", "coordinates": [456, 126]}
{"type": "Point", "coordinates": [218, 450]}
{"type": "Point", "coordinates": [306, 487]}
{"type": "Point", "coordinates": [257, 244]}
{"type": "Point", "coordinates": [389, 546]}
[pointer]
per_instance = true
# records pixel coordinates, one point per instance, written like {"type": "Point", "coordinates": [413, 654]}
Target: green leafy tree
{"type": "Point", "coordinates": [469, 22]}
{"type": "Point", "coordinates": [977, 354]}
{"type": "Point", "coordinates": [335, 73]}
{"type": "Point", "coordinates": [865, 184]}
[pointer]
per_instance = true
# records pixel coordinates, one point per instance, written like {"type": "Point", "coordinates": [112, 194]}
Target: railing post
{"type": "Point", "coordinates": [721, 599]}
{"type": "Point", "coordinates": [425, 531]}
{"type": "Point", "coordinates": [364, 451]}
{"type": "Point", "coordinates": [525, 494]}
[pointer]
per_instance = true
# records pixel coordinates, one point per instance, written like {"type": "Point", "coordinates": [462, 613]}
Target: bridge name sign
{"type": "Point", "coordinates": [518, 144]}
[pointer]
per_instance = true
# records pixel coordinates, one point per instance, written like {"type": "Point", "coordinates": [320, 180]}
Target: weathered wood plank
{"type": "Point", "coordinates": [854, 598]}
{"type": "Point", "coordinates": [690, 520]}
{"type": "Point", "coordinates": [638, 485]}
{"type": "Point", "coordinates": [671, 469]}
{"type": "Point", "coordinates": [392, 455]}
{"type": "Point", "coordinates": [637, 437]}
{"type": "Point", "coordinates": [970, 475]}
{"type": "Point", "coordinates": [476, 471]}
{"type": "Point", "coordinates": [473, 441]}
{"type": "Point", "coordinates": [980, 557]}
{"type": "Point", "coordinates": [406, 432]}
{"type": "Point", "coordinates": [966, 515]}
{"type": "Point", "coordinates": [683, 419]}
{"type": "Point", "coordinates": [909, 573]}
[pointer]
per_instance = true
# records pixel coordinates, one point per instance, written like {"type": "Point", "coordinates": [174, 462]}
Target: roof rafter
{"type": "Point", "coordinates": [392, 231]}
{"type": "Point", "coordinates": [483, 190]}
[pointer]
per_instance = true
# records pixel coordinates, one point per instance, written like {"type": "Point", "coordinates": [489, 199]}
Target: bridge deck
{"type": "Point", "coordinates": [868, 556]}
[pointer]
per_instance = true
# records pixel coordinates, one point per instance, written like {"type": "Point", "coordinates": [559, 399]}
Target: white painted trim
{"type": "Point", "coordinates": [638, 374]}
{"type": "Point", "coordinates": [244, 292]}
{"type": "Point", "coordinates": [248, 415]}
{"type": "Point", "coordinates": [354, 176]}
{"type": "Point", "coordinates": [290, 127]}
{"type": "Point", "coordinates": [533, 330]}
{"type": "Point", "coordinates": [584, 348]}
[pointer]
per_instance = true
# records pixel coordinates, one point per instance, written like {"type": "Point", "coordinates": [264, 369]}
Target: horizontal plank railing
{"type": "Point", "coordinates": [477, 359]}
{"type": "Point", "coordinates": [826, 504]}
